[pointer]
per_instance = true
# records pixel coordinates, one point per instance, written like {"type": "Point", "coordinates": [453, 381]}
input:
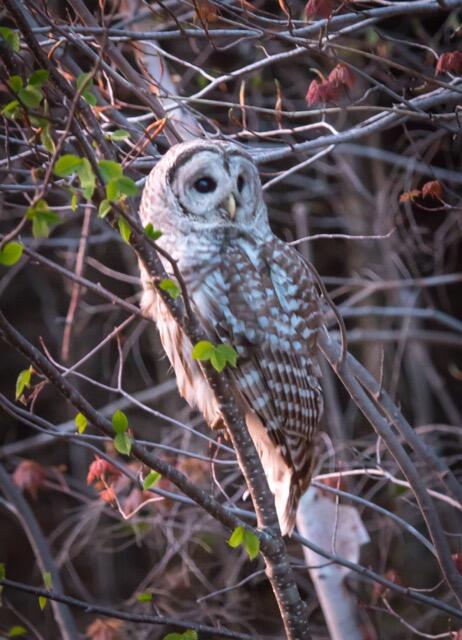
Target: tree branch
{"type": "Point", "coordinates": [91, 608]}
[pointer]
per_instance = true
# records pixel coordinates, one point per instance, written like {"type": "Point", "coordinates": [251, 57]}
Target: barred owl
{"type": "Point", "coordinates": [250, 290]}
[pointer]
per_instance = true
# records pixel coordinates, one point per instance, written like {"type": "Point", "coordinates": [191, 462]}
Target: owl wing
{"type": "Point", "coordinates": [263, 302]}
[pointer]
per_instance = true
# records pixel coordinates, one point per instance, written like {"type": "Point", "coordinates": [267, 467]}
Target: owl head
{"type": "Point", "coordinates": [204, 185]}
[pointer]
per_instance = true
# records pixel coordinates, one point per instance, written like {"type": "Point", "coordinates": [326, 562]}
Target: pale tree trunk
{"type": "Point", "coordinates": [337, 529]}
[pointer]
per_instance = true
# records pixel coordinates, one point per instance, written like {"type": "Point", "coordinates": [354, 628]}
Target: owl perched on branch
{"type": "Point", "coordinates": [249, 290]}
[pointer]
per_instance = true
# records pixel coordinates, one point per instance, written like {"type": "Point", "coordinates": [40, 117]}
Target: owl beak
{"type": "Point", "coordinates": [230, 206]}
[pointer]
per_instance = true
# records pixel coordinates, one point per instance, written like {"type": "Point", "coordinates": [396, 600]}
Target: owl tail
{"type": "Point", "coordinates": [280, 477]}
{"type": "Point", "coordinates": [286, 498]}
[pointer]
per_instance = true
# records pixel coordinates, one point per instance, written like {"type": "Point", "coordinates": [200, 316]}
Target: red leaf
{"type": "Point", "coordinates": [433, 189]}
{"type": "Point", "coordinates": [329, 91]}
{"type": "Point", "coordinates": [322, 92]}
{"type": "Point", "coordinates": [457, 558]}
{"type": "Point", "coordinates": [336, 482]}
{"type": "Point", "coordinates": [107, 629]}
{"type": "Point", "coordinates": [342, 75]}
{"type": "Point", "coordinates": [206, 11]}
{"type": "Point", "coordinates": [284, 7]}
{"type": "Point", "coordinates": [318, 9]}
{"type": "Point", "coordinates": [102, 470]}
{"type": "Point", "coordinates": [29, 476]}
{"type": "Point", "coordinates": [379, 589]}
{"type": "Point", "coordinates": [449, 61]}
{"type": "Point", "coordinates": [312, 95]}
{"type": "Point", "coordinates": [410, 195]}
{"type": "Point", "coordinates": [108, 494]}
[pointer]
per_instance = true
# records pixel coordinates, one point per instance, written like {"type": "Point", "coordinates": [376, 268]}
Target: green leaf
{"type": "Point", "coordinates": [90, 97]}
{"type": "Point", "coordinates": [42, 217]}
{"type": "Point", "coordinates": [219, 355]}
{"type": "Point", "coordinates": [151, 479]}
{"type": "Point", "coordinates": [15, 83]}
{"type": "Point", "coordinates": [201, 81]}
{"type": "Point", "coordinates": [144, 597]}
{"type": "Point", "coordinates": [152, 233]}
{"type": "Point", "coordinates": [237, 537]}
{"type": "Point", "coordinates": [117, 135]}
{"type": "Point", "coordinates": [11, 38]}
{"type": "Point", "coordinates": [16, 631]}
{"type": "Point", "coordinates": [47, 580]}
{"type": "Point", "coordinates": [120, 185]}
{"type": "Point", "coordinates": [50, 217]}
{"type": "Point", "coordinates": [104, 208]}
{"type": "Point", "coordinates": [372, 36]}
{"type": "Point", "coordinates": [247, 539]}
{"type": "Point", "coordinates": [48, 583]}
{"type": "Point", "coordinates": [67, 164]}
{"type": "Point", "coordinates": [218, 360]}
{"type": "Point", "coordinates": [31, 96]}
{"type": "Point", "coordinates": [110, 170]}
{"type": "Point", "coordinates": [40, 228]}
{"type": "Point", "coordinates": [38, 78]}
{"type": "Point", "coordinates": [187, 635]}
{"type": "Point", "coordinates": [11, 253]}
{"type": "Point", "coordinates": [127, 186]}
{"type": "Point", "coordinates": [85, 80]}
{"type": "Point", "coordinates": [37, 121]}
{"type": "Point", "coordinates": [87, 178]}
{"type": "Point", "coordinates": [124, 229]}
{"type": "Point", "coordinates": [228, 353]}
{"type": "Point", "coordinates": [23, 382]}
{"type": "Point", "coordinates": [251, 544]}
{"type": "Point", "coordinates": [123, 443]}
{"type": "Point", "coordinates": [41, 222]}
{"type": "Point", "coordinates": [12, 110]}
{"type": "Point", "coordinates": [74, 202]}
{"type": "Point", "coordinates": [170, 287]}
{"type": "Point", "coordinates": [41, 206]}
{"type": "Point", "coordinates": [202, 350]}
{"type": "Point", "coordinates": [112, 190]}
{"type": "Point", "coordinates": [81, 422]}
{"type": "Point", "coordinates": [46, 138]}
{"type": "Point", "coordinates": [119, 421]}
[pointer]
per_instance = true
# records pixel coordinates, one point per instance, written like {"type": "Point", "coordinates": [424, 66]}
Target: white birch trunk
{"type": "Point", "coordinates": [337, 529]}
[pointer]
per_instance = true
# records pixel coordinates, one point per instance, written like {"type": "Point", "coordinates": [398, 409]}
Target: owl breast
{"type": "Point", "coordinates": [191, 383]}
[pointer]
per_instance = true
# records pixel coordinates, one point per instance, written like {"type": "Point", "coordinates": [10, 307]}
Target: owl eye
{"type": "Point", "coordinates": [205, 185]}
{"type": "Point", "coordinates": [240, 183]}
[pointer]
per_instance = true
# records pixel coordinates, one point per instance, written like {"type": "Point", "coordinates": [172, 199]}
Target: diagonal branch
{"type": "Point", "coordinates": [368, 407]}
{"type": "Point", "coordinates": [89, 607]}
